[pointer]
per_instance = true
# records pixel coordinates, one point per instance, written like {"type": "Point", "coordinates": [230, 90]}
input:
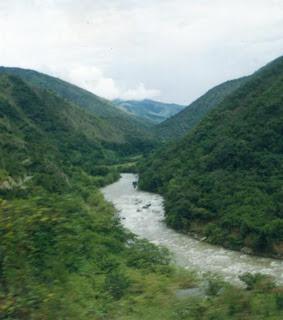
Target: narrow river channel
{"type": "Point", "coordinates": [142, 213]}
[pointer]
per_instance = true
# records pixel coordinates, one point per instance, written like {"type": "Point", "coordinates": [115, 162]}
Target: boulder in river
{"type": "Point", "coordinates": [247, 250]}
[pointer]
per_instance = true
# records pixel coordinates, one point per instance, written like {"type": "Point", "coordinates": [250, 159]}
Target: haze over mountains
{"type": "Point", "coordinates": [154, 111]}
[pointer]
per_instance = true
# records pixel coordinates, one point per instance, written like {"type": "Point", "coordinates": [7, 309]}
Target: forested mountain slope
{"type": "Point", "coordinates": [63, 252]}
{"type": "Point", "coordinates": [150, 110]}
{"type": "Point", "coordinates": [40, 132]}
{"type": "Point", "coordinates": [177, 126]}
{"type": "Point", "coordinates": [120, 127]}
{"type": "Point", "coordinates": [224, 180]}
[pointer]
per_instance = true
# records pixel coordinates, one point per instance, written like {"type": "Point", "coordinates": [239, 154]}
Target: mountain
{"type": "Point", "coordinates": [41, 134]}
{"type": "Point", "coordinates": [153, 111]}
{"type": "Point", "coordinates": [178, 125]}
{"type": "Point", "coordinates": [223, 180]}
{"type": "Point", "coordinates": [120, 127]}
{"type": "Point", "coordinates": [63, 252]}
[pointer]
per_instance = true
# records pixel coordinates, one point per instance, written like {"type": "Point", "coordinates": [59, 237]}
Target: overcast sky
{"type": "Point", "coordinates": [133, 49]}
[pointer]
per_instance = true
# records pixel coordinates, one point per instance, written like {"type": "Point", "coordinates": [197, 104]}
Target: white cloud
{"type": "Point", "coordinates": [93, 79]}
{"type": "Point", "coordinates": [140, 93]}
{"type": "Point", "coordinates": [124, 47]}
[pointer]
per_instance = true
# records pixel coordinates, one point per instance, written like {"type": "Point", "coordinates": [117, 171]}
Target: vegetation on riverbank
{"type": "Point", "coordinates": [224, 179]}
{"type": "Point", "coordinates": [67, 257]}
{"type": "Point", "coordinates": [63, 252]}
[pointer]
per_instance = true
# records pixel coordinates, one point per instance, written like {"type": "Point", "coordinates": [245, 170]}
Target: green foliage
{"type": "Point", "coordinates": [46, 138]}
{"type": "Point", "coordinates": [224, 179]}
{"type": "Point", "coordinates": [180, 124]}
{"type": "Point", "coordinates": [63, 252]}
{"type": "Point", "coordinates": [111, 124]}
{"type": "Point", "coordinates": [51, 244]}
{"type": "Point", "coordinates": [257, 281]}
{"type": "Point", "coordinates": [143, 255]}
{"type": "Point", "coordinates": [116, 284]}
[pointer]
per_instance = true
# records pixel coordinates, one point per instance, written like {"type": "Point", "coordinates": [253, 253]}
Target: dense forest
{"type": "Point", "coordinates": [116, 126]}
{"type": "Point", "coordinates": [177, 126]}
{"type": "Point", "coordinates": [63, 251]}
{"type": "Point", "coordinates": [224, 179]}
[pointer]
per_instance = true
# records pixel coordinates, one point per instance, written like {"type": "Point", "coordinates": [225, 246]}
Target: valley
{"type": "Point", "coordinates": [67, 253]}
{"type": "Point", "coordinates": [141, 160]}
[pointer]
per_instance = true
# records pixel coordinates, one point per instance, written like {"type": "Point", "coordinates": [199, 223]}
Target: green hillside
{"type": "Point", "coordinates": [41, 133]}
{"type": "Point", "coordinates": [63, 252]}
{"type": "Point", "coordinates": [120, 127]}
{"type": "Point", "coordinates": [177, 126]}
{"type": "Point", "coordinates": [224, 179]}
{"type": "Point", "coordinates": [153, 111]}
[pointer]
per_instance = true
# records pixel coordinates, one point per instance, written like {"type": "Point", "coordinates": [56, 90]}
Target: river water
{"type": "Point", "coordinates": [143, 214]}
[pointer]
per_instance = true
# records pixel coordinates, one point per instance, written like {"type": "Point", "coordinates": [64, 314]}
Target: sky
{"type": "Point", "coordinates": [172, 51]}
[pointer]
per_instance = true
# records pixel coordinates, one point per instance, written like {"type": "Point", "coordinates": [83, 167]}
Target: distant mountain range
{"type": "Point", "coordinates": [151, 110]}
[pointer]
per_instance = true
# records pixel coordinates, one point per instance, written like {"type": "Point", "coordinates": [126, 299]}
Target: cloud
{"type": "Point", "coordinates": [93, 79]}
{"type": "Point", "coordinates": [140, 93]}
{"type": "Point", "coordinates": [177, 49]}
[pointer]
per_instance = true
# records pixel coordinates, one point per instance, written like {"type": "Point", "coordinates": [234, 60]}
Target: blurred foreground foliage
{"type": "Point", "coordinates": [66, 256]}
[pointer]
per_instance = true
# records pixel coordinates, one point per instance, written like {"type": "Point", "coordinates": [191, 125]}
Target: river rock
{"type": "Point", "coordinates": [247, 250]}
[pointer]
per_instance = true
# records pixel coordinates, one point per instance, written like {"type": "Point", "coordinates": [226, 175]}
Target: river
{"type": "Point", "coordinates": [143, 214]}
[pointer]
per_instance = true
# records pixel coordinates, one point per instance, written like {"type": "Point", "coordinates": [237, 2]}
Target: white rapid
{"type": "Point", "coordinates": [142, 213]}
